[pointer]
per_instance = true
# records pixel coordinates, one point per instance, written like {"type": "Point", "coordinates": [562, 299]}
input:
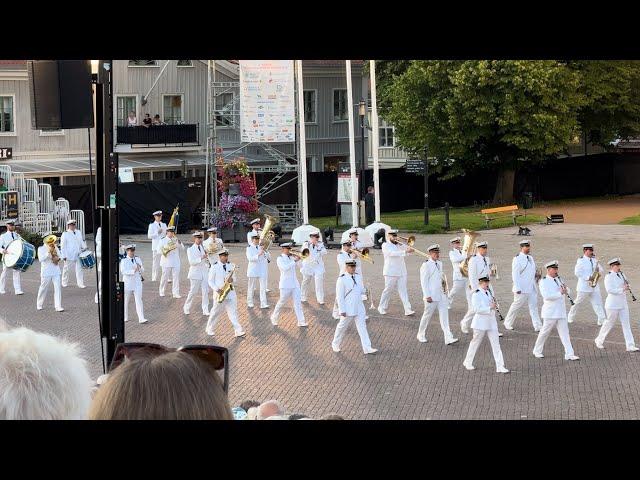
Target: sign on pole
{"type": "Point", "coordinates": [11, 199]}
{"type": "Point", "coordinates": [6, 153]}
{"type": "Point", "coordinates": [345, 183]}
{"type": "Point", "coordinates": [125, 175]}
{"type": "Point", "coordinates": [267, 111]}
{"type": "Point", "coordinates": [414, 166]}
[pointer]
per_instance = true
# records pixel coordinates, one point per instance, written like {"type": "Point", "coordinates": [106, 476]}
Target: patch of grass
{"type": "Point", "coordinates": [631, 221]}
{"type": "Point", "coordinates": [413, 220]}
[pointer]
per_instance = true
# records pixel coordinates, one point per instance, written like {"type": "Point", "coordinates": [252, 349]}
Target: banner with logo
{"type": "Point", "coordinates": [267, 108]}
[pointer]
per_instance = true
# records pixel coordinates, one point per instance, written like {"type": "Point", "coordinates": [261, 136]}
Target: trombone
{"type": "Point", "coordinates": [410, 242]}
{"type": "Point", "coordinates": [363, 254]}
{"type": "Point", "coordinates": [300, 254]}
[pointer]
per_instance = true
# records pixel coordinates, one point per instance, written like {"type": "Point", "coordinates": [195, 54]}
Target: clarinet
{"type": "Point", "coordinates": [633, 297]}
{"type": "Point", "coordinates": [497, 306]}
{"type": "Point", "coordinates": [141, 277]}
{"type": "Point", "coordinates": [568, 296]}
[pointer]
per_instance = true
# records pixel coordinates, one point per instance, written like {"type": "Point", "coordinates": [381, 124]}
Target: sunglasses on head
{"type": "Point", "coordinates": [215, 356]}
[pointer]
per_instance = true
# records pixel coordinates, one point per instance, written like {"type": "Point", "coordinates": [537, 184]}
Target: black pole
{"type": "Point", "coordinates": [362, 164]}
{"type": "Point", "coordinates": [447, 224]}
{"type": "Point", "coordinates": [426, 187]}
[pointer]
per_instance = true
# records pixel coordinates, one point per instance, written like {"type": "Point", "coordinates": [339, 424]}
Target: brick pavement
{"type": "Point", "coordinates": [406, 379]}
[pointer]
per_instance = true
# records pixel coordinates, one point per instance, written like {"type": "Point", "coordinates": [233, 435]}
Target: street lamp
{"type": "Point", "coordinates": [362, 111]}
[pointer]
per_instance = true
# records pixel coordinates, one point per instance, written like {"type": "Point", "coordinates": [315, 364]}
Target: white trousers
{"type": "Point", "coordinates": [155, 266]}
{"type": "Point", "coordinates": [563, 331]}
{"type": "Point", "coordinates": [99, 280]}
{"type": "Point", "coordinates": [77, 266]}
{"type": "Point", "coordinates": [44, 288]}
{"type": "Point", "coordinates": [361, 326]}
{"type": "Point", "coordinates": [251, 286]}
{"type": "Point", "coordinates": [391, 284]}
{"type": "Point", "coordinates": [621, 314]}
{"type": "Point", "coordinates": [16, 279]}
{"type": "Point", "coordinates": [457, 289]}
{"type": "Point", "coordinates": [465, 323]}
{"type": "Point", "coordinates": [174, 273]}
{"type": "Point", "coordinates": [137, 294]}
{"type": "Point", "coordinates": [443, 315]}
{"type": "Point", "coordinates": [478, 335]}
{"type": "Point", "coordinates": [203, 287]}
{"type": "Point", "coordinates": [294, 295]}
{"type": "Point", "coordinates": [596, 303]}
{"type": "Point", "coordinates": [230, 305]}
{"type": "Point", "coordinates": [306, 280]}
{"type": "Point", "coordinates": [519, 301]}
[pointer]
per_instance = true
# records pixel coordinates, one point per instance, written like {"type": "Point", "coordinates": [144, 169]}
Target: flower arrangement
{"type": "Point", "coordinates": [236, 204]}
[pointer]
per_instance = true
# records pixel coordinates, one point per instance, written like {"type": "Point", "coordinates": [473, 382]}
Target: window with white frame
{"type": "Point", "coordinates": [387, 139]}
{"type": "Point", "coordinates": [172, 109]}
{"type": "Point", "coordinates": [224, 109]}
{"type": "Point", "coordinates": [184, 63]}
{"type": "Point", "coordinates": [143, 63]}
{"type": "Point", "coordinates": [7, 114]}
{"type": "Point", "coordinates": [340, 105]}
{"type": "Point", "coordinates": [309, 106]}
{"type": "Point", "coordinates": [126, 104]}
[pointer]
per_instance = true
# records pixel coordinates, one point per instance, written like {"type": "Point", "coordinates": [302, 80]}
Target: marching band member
{"type": "Point", "coordinates": [479, 266]}
{"type": "Point", "coordinates": [71, 245]}
{"type": "Point", "coordinates": [156, 232]}
{"type": "Point", "coordinates": [523, 273]}
{"type": "Point", "coordinates": [313, 267]}
{"type": "Point", "coordinates": [49, 256]}
{"type": "Point", "coordinates": [219, 274]}
{"type": "Point", "coordinates": [344, 256]}
{"type": "Point", "coordinates": [431, 276]}
{"type": "Point", "coordinates": [395, 273]}
{"type": "Point", "coordinates": [98, 241]}
{"type": "Point", "coordinates": [554, 312]}
{"type": "Point", "coordinates": [349, 291]}
{"type": "Point", "coordinates": [353, 237]}
{"type": "Point", "coordinates": [170, 262]}
{"type": "Point", "coordinates": [256, 228]}
{"type": "Point", "coordinates": [256, 270]}
{"type": "Point", "coordinates": [289, 286]}
{"type": "Point", "coordinates": [585, 267]}
{"type": "Point", "coordinates": [213, 238]}
{"type": "Point", "coordinates": [198, 274]}
{"type": "Point", "coordinates": [456, 257]}
{"type": "Point", "coordinates": [132, 269]}
{"type": "Point", "coordinates": [616, 306]}
{"type": "Point", "coordinates": [484, 323]}
{"type": "Point", "coordinates": [5, 239]}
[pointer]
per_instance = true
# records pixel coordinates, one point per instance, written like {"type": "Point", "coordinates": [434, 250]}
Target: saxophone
{"type": "Point", "coordinates": [227, 287]}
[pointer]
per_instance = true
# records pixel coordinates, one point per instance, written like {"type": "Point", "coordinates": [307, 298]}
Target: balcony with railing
{"type": "Point", "coordinates": [158, 135]}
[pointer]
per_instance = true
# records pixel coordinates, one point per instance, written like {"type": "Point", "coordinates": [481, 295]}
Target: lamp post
{"type": "Point", "coordinates": [362, 111]}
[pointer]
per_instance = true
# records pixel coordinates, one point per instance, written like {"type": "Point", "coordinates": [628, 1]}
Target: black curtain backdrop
{"type": "Point", "coordinates": [79, 197]}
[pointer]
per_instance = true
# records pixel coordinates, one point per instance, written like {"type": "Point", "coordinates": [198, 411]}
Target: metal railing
{"type": "Point", "coordinates": [159, 134]}
{"type": "Point", "coordinates": [17, 179]}
{"type": "Point", "coordinates": [60, 213]}
{"type": "Point", "coordinates": [32, 191]}
{"type": "Point", "coordinates": [78, 216]}
{"type": "Point", "coordinates": [46, 204]}
{"type": "Point", "coordinates": [29, 217]}
{"type": "Point", "coordinates": [5, 174]}
{"type": "Point", "coordinates": [44, 224]}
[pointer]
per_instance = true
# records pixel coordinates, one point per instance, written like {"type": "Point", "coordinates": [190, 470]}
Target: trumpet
{"type": "Point", "coordinates": [368, 295]}
{"type": "Point", "coordinates": [300, 254]}
{"type": "Point", "coordinates": [410, 242]}
{"type": "Point", "coordinates": [568, 296]}
{"type": "Point", "coordinates": [494, 271]}
{"type": "Point", "coordinates": [363, 254]}
{"type": "Point", "coordinates": [445, 284]}
{"type": "Point", "coordinates": [633, 297]}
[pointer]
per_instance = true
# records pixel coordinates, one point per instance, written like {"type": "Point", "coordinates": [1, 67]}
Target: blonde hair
{"type": "Point", "coordinates": [171, 386]}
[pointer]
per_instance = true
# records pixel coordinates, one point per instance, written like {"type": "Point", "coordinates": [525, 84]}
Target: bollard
{"type": "Point", "coordinates": [447, 225]}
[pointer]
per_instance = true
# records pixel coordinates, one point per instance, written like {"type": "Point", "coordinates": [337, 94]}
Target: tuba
{"type": "Point", "coordinates": [468, 242]}
{"type": "Point", "coordinates": [266, 235]}
{"type": "Point", "coordinates": [172, 245]}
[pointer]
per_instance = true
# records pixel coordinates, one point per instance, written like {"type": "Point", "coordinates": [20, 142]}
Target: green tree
{"type": "Point", "coordinates": [489, 114]}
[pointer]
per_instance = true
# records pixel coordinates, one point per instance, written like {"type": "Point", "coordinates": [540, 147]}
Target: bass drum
{"type": "Point", "coordinates": [20, 255]}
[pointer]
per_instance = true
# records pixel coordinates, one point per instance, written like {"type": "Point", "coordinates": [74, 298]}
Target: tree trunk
{"type": "Point", "coordinates": [504, 187]}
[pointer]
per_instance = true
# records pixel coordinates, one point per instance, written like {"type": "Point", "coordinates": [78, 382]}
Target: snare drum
{"type": "Point", "coordinates": [20, 255]}
{"type": "Point", "coordinates": [87, 260]}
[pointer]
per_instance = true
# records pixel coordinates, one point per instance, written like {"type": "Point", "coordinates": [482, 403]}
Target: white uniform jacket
{"type": "Point", "coordinates": [173, 257]}
{"type": "Point", "coordinates": [132, 279]}
{"type": "Point", "coordinates": [213, 258]}
{"type": "Point", "coordinates": [479, 267]}
{"type": "Point", "coordinates": [71, 244]}
{"type": "Point", "coordinates": [456, 257]}
{"type": "Point", "coordinates": [585, 266]}
{"type": "Point", "coordinates": [219, 272]}
{"type": "Point", "coordinates": [484, 317]}
{"type": "Point", "coordinates": [431, 280]}
{"type": "Point", "coordinates": [523, 273]}
{"type": "Point", "coordinates": [6, 238]}
{"type": "Point", "coordinates": [349, 292]}
{"type": "Point", "coordinates": [614, 285]}
{"type": "Point", "coordinates": [198, 267]}
{"type": "Point", "coordinates": [288, 278]}
{"type": "Point", "coordinates": [394, 265]}
{"type": "Point", "coordinates": [47, 268]}
{"type": "Point", "coordinates": [154, 236]}
{"type": "Point", "coordinates": [257, 263]}
{"type": "Point", "coordinates": [344, 257]}
{"type": "Point", "coordinates": [313, 264]}
{"type": "Point", "coordinates": [98, 240]}
{"type": "Point", "coordinates": [554, 305]}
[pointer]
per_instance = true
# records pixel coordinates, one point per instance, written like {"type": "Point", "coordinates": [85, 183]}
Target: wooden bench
{"type": "Point", "coordinates": [511, 208]}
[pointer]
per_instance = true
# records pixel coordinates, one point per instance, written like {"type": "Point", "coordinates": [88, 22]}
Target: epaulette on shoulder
{"type": "Point", "coordinates": [609, 273]}
{"type": "Point", "coordinates": [477, 290]}
{"type": "Point", "coordinates": [342, 274]}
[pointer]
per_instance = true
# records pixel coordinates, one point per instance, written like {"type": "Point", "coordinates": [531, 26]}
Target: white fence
{"type": "Point", "coordinates": [44, 224]}
{"type": "Point", "coordinates": [29, 217]}
{"type": "Point", "coordinates": [32, 190]}
{"type": "Point", "coordinates": [17, 180]}
{"type": "Point", "coordinates": [78, 216]}
{"type": "Point", "coordinates": [47, 204]}
{"type": "Point", "coordinates": [60, 214]}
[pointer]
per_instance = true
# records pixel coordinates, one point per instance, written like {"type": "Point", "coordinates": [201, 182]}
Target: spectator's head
{"type": "Point", "coordinates": [299, 416]}
{"type": "Point", "coordinates": [332, 416]}
{"type": "Point", "coordinates": [370, 189]}
{"type": "Point", "coordinates": [268, 409]}
{"type": "Point", "coordinates": [156, 117]}
{"type": "Point", "coordinates": [146, 115]}
{"type": "Point", "coordinates": [247, 404]}
{"type": "Point", "coordinates": [171, 386]}
{"type": "Point", "coordinates": [41, 377]}
{"type": "Point", "coordinates": [1, 181]}
{"type": "Point", "coordinates": [132, 114]}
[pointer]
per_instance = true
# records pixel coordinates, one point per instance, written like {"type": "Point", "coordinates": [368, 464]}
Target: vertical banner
{"type": "Point", "coordinates": [267, 111]}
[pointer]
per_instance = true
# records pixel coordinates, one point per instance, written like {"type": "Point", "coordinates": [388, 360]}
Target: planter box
{"type": "Point", "coordinates": [226, 234]}
{"type": "Point", "coordinates": [240, 232]}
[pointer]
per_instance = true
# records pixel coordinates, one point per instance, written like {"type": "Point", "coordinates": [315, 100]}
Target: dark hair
{"type": "Point", "coordinates": [297, 416]}
{"type": "Point", "coordinates": [147, 114]}
{"type": "Point", "coordinates": [157, 115]}
{"type": "Point", "coordinates": [247, 404]}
